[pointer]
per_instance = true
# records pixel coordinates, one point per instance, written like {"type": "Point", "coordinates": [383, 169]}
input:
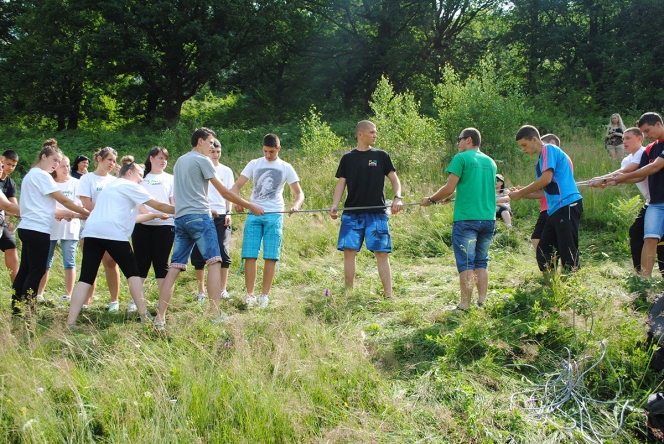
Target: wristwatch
{"type": "Point", "coordinates": [398, 197]}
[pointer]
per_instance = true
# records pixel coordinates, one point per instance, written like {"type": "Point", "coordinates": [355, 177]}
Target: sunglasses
{"type": "Point", "coordinates": [460, 138]}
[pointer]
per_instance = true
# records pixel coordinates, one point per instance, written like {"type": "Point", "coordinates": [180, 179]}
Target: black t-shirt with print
{"type": "Point", "coordinates": [365, 173]}
{"type": "Point", "coordinates": [655, 181]}
{"type": "Point", "coordinates": [8, 187]}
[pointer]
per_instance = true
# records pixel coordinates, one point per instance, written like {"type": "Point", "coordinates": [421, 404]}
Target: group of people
{"type": "Point", "coordinates": [189, 213]}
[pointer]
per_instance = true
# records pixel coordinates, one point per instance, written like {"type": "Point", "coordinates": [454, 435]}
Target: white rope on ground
{"type": "Point", "coordinates": [564, 394]}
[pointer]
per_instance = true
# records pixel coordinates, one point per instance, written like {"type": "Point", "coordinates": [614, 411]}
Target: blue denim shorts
{"type": "Point", "coordinates": [654, 221]}
{"type": "Point", "coordinates": [68, 253]}
{"type": "Point", "coordinates": [196, 229]}
{"type": "Point", "coordinates": [470, 242]}
{"type": "Point", "coordinates": [268, 229]}
{"type": "Point", "coordinates": [372, 227]}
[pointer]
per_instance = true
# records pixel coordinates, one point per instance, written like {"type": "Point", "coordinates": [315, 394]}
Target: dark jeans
{"type": "Point", "coordinates": [34, 256]}
{"type": "Point", "coordinates": [636, 242]}
{"type": "Point", "coordinates": [152, 246]}
{"type": "Point", "coordinates": [224, 237]}
{"type": "Point", "coordinates": [561, 236]}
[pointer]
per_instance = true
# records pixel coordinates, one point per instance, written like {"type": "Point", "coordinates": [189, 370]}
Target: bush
{"type": "Point", "coordinates": [484, 103]}
{"type": "Point", "coordinates": [318, 140]}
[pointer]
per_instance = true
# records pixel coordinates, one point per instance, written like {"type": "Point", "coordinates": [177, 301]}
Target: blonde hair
{"type": "Point", "coordinates": [620, 122]}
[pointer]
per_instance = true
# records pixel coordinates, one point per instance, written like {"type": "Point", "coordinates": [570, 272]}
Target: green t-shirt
{"type": "Point", "coordinates": [476, 190]}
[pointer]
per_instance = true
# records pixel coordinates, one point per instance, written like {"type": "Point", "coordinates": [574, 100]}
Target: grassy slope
{"type": "Point", "coordinates": [352, 367]}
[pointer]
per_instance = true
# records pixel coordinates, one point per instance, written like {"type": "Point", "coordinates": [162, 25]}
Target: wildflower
{"type": "Point", "coordinates": [327, 292]}
{"type": "Point", "coordinates": [227, 344]}
{"type": "Point", "coordinates": [40, 389]}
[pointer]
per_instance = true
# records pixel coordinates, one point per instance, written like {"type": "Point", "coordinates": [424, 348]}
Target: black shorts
{"type": "Point", "coordinates": [539, 225]}
{"type": "Point", "coordinates": [7, 241]}
{"type": "Point", "coordinates": [93, 251]}
{"type": "Point", "coordinates": [501, 209]}
{"type": "Point", "coordinates": [224, 237]}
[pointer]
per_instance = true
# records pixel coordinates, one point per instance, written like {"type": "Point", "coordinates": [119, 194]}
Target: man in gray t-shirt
{"type": "Point", "coordinates": [194, 222]}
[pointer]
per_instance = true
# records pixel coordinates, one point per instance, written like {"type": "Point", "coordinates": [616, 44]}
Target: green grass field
{"type": "Point", "coordinates": [351, 366]}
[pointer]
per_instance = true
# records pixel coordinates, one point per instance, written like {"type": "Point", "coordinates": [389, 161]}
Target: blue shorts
{"type": "Point", "coordinates": [68, 253]}
{"type": "Point", "coordinates": [195, 229]}
{"type": "Point", "coordinates": [654, 221]}
{"type": "Point", "coordinates": [470, 242]}
{"type": "Point", "coordinates": [268, 229]}
{"type": "Point", "coordinates": [355, 228]}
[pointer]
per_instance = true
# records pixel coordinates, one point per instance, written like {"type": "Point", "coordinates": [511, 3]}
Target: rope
{"type": "Point", "coordinates": [563, 393]}
{"type": "Point", "coordinates": [327, 210]}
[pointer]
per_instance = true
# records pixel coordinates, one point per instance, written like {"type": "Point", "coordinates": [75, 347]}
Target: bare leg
{"type": "Point", "coordinates": [648, 255]}
{"type": "Point", "coordinates": [612, 152]}
{"type": "Point", "coordinates": [77, 299]}
{"type": "Point", "coordinates": [535, 243]}
{"type": "Point", "coordinates": [11, 260]}
{"type": "Point", "coordinates": [269, 270]}
{"type": "Point", "coordinates": [160, 282]}
{"type": "Point", "coordinates": [200, 278]}
{"type": "Point", "coordinates": [70, 277]}
{"type": "Point", "coordinates": [224, 278]}
{"type": "Point", "coordinates": [214, 286]}
{"type": "Point", "coordinates": [91, 293]}
{"type": "Point", "coordinates": [112, 276]}
{"type": "Point", "coordinates": [166, 293]}
{"type": "Point", "coordinates": [43, 282]}
{"type": "Point", "coordinates": [507, 218]}
{"type": "Point", "coordinates": [136, 291]}
{"type": "Point", "coordinates": [349, 267]}
{"type": "Point", "coordinates": [482, 284]}
{"type": "Point", "coordinates": [385, 272]}
{"type": "Point", "coordinates": [250, 271]}
{"type": "Point", "coordinates": [467, 281]}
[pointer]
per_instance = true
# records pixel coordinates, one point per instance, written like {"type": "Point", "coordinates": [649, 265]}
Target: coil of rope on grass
{"type": "Point", "coordinates": [563, 393]}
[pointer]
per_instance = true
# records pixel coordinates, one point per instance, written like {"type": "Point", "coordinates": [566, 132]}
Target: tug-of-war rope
{"type": "Point", "coordinates": [563, 394]}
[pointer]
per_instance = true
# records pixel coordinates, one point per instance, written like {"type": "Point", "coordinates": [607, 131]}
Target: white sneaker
{"type": "Point", "coordinates": [113, 307]}
{"type": "Point", "coordinates": [159, 325]}
{"type": "Point", "coordinates": [40, 298]}
{"type": "Point", "coordinates": [66, 299]}
{"type": "Point", "coordinates": [84, 307]}
{"type": "Point", "coordinates": [225, 295]}
{"type": "Point", "coordinates": [145, 318]}
{"type": "Point", "coordinates": [250, 300]}
{"type": "Point", "coordinates": [200, 297]}
{"type": "Point", "coordinates": [263, 300]}
{"type": "Point", "coordinates": [131, 307]}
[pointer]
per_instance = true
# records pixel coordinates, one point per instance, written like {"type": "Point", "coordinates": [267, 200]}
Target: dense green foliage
{"type": "Point", "coordinates": [79, 63]}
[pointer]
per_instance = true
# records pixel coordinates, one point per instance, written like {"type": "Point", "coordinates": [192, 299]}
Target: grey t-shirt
{"type": "Point", "coordinates": [192, 173]}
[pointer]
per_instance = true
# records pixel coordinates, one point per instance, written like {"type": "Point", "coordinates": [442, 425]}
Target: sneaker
{"type": "Point", "coordinates": [223, 318]}
{"type": "Point", "coordinates": [200, 297]}
{"type": "Point", "coordinates": [250, 300]}
{"type": "Point", "coordinates": [65, 299]}
{"type": "Point", "coordinates": [225, 295]}
{"type": "Point", "coordinates": [159, 325]}
{"type": "Point", "coordinates": [40, 298]}
{"type": "Point", "coordinates": [145, 318]}
{"type": "Point", "coordinates": [131, 307]}
{"type": "Point", "coordinates": [263, 300]}
{"type": "Point", "coordinates": [84, 307]}
{"type": "Point", "coordinates": [113, 307]}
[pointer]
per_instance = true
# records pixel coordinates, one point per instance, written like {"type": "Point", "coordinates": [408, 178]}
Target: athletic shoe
{"type": "Point", "coordinates": [113, 307]}
{"type": "Point", "coordinates": [223, 318]}
{"type": "Point", "coordinates": [225, 295]}
{"type": "Point", "coordinates": [145, 318]}
{"type": "Point", "coordinates": [40, 298]}
{"type": "Point", "coordinates": [159, 325]}
{"type": "Point", "coordinates": [263, 300]}
{"type": "Point", "coordinates": [250, 300]}
{"type": "Point", "coordinates": [131, 307]}
{"type": "Point", "coordinates": [200, 297]}
{"type": "Point", "coordinates": [66, 299]}
{"type": "Point", "coordinates": [84, 307]}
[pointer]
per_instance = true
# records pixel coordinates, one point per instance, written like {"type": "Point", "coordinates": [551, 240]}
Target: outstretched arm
{"type": "Point", "coordinates": [638, 175]}
{"type": "Point", "coordinates": [443, 192]}
{"type": "Point", "coordinates": [68, 203]}
{"type": "Point", "coordinates": [234, 197]}
{"type": "Point", "coordinates": [539, 184]}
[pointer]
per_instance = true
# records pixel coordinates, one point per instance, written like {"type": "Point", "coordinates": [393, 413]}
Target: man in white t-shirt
{"type": "Point", "coordinates": [221, 210]}
{"type": "Point", "coordinates": [269, 174]}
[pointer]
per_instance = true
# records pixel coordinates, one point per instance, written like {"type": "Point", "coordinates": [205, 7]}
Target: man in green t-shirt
{"type": "Point", "coordinates": [472, 174]}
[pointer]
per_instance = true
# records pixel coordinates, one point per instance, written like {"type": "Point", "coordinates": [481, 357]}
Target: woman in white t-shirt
{"type": "Point", "coordinates": [107, 231]}
{"type": "Point", "coordinates": [65, 230]}
{"type": "Point", "coordinates": [153, 239]}
{"type": "Point", "coordinates": [39, 194]}
{"type": "Point", "coordinates": [89, 187]}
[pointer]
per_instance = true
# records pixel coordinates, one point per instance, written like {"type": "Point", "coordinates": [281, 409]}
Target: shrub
{"type": "Point", "coordinates": [318, 140]}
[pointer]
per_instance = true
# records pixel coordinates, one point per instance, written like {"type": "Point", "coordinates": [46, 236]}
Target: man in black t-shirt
{"type": "Point", "coordinates": [363, 172]}
{"type": "Point", "coordinates": [8, 186]}
{"type": "Point", "coordinates": [652, 166]}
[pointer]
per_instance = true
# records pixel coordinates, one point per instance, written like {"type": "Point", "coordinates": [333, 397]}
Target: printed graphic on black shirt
{"type": "Point", "coordinates": [267, 183]}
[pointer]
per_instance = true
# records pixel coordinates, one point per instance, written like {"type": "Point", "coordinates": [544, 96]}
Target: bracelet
{"type": "Point", "coordinates": [431, 202]}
